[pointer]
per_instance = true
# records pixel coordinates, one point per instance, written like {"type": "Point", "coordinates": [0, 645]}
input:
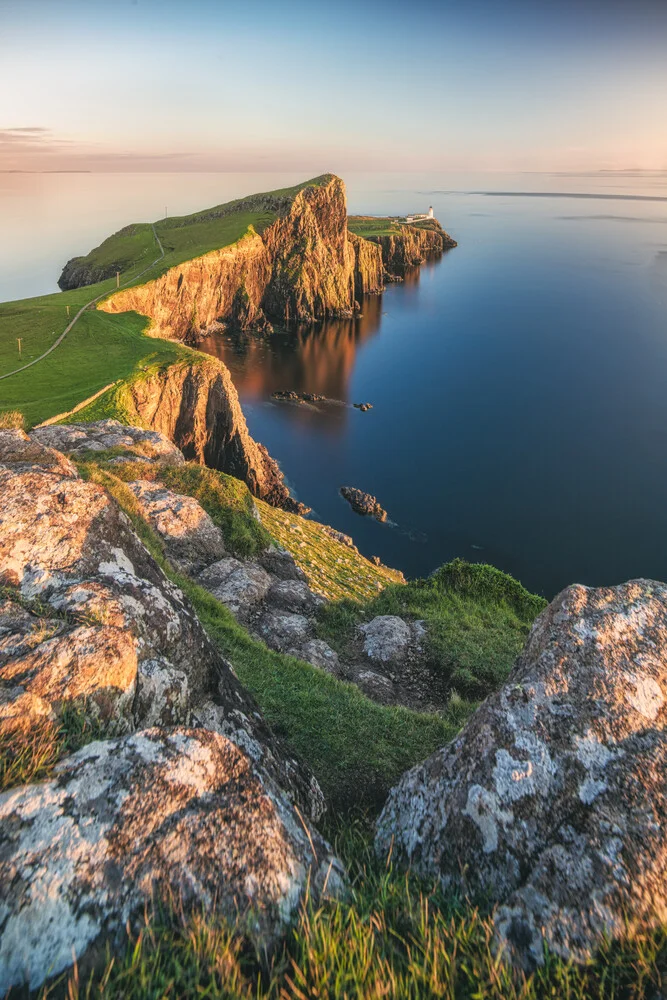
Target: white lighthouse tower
{"type": "Point", "coordinates": [430, 212]}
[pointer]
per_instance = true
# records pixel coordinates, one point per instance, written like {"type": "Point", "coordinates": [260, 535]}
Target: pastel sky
{"type": "Point", "coordinates": [311, 86]}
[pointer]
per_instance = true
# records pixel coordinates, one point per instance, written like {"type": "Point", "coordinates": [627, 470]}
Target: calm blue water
{"type": "Point", "coordinates": [519, 388]}
{"type": "Point", "coordinates": [519, 384]}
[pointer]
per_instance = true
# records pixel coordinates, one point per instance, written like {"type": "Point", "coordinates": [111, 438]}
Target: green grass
{"type": "Point", "coordinates": [30, 754]}
{"type": "Point", "coordinates": [333, 570]}
{"type": "Point", "coordinates": [393, 937]}
{"type": "Point", "coordinates": [103, 348]}
{"type": "Point", "coordinates": [100, 349]}
{"type": "Point", "coordinates": [367, 225]}
{"type": "Point", "coordinates": [226, 500]}
{"type": "Point", "coordinates": [320, 718]}
{"type": "Point", "coordinates": [477, 622]}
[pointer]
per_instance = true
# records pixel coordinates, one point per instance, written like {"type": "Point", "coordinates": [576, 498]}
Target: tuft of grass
{"type": "Point", "coordinates": [477, 621]}
{"type": "Point", "coordinates": [11, 419]}
{"type": "Point", "coordinates": [333, 570]}
{"type": "Point", "coordinates": [30, 753]}
{"type": "Point", "coordinates": [392, 937]}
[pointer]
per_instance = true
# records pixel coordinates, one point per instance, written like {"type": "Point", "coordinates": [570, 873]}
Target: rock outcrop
{"type": "Point", "coordinates": [363, 503]}
{"type": "Point", "coordinates": [94, 622]}
{"type": "Point", "coordinates": [305, 266]}
{"type": "Point", "coordinates": [301, 268]}
{"type": "Point", "coordinates": [368, 266]}
{"type": "Point", "coordinates": [184, 816]}
{"type": "Point", "coordinates": [196, 406]}
{"type": "Point", "coordinates": [552, 801]}
{"type": "Point", "coordinates": [104, 435]}
{"type": "Point", "coordinates": [412, 246]}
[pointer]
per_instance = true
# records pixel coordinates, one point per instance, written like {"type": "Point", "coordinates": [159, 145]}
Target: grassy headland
{"type": "Point", "coordinates": [102, 348]}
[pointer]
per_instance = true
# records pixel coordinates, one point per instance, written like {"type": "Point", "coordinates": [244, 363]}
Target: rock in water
{"type": "Point", "coordinates": [553, 799]}
{"type": "Point", "coordinates": [363, 503]}
{"type": "Point", "coordinates": [182, 814]}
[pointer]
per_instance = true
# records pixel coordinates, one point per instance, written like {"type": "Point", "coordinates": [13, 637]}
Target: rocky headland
{"type": "Point", "coordinates": [548, 808]}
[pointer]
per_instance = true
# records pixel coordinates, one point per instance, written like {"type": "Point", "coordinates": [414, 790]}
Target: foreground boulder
{"type": "Point", "coordinates": [552, 802]}
{"type": "Point", "coordinates": [181, 815]}
{"type": "Point", "coordinates": [94, 622]}
{"type": "Point", "coordinates": [102, 435]}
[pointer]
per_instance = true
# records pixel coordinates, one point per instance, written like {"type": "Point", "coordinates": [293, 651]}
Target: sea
{"type": "Point", "coordinates": [518, 383]}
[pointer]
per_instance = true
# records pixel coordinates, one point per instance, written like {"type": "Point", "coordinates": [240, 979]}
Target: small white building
{"type": "Point", "coordinates": [420, 216]}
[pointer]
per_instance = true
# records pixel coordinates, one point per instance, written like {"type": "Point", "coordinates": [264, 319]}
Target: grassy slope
{"type": "Point", "coordinates": [102, 348]}
{"type": "Point", "coordinates": [477, 622]}
{"type": "Point", "coordinates": [368, 225]}
{"type": "Point", "coordinates": [392, 937]}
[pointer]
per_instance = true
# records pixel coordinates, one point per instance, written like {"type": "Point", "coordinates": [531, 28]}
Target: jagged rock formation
{"type": "Point", "coordinates": [412, 246]}
{"type": "Point", "coordinates": [552, 800]}
{"type": "Point", "coordinates": [368, 266]}
{"type": "Point", "coordinates": [94, 622]}
{"type": "Point", "coordinates": [363, 503]}
{"type": "Point", "coordinates": [195, 406]}
{"type": "Point", "coordinates": [301, 268]}
{"type": "Point", "coordinates": [305, 266]}
{"type": "Point", "coordinates": [182, 814]}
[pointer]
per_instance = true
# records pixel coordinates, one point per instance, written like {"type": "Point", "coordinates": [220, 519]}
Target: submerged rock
{"type": "Point", "coordinates": [552, 801]}
{"type": "Point", "coordinates": [298, 397]}
{"type": "Point", "coordinates": [181, 815]}
{"type": "Point", "coordinates": [363, 503]}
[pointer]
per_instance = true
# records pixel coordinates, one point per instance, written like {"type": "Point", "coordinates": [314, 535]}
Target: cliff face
{"type": "Point", "coordinates": [301, 268]}
{"type": "Point", "coordinates": [197, 407]}
{"type": "Point", "coordinates": [225, 285]}
{"type": "Point", "coordinates": [368, 266]}
{"type": "Point", "coordinates": [412, 246]}
{"type": "Point", "coordinates": [305, 266]}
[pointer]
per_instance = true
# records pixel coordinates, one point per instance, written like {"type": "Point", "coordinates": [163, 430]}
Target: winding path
{"type": "Point", "coordinates": [83, 309]}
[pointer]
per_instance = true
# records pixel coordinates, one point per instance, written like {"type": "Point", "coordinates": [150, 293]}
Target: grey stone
{"type": "Point", "coordinates": [280, 563]}
{"type": "Point", "coordinates": [183, 814]}
{"type": "Point", "coordinates": [552, 799]}
{"type": "Point", "coordinates": [282, 630]}
{"type": "Point", "coordinates": [238, 585]}
{"type": "Point", "coordinates": [293, 595]}
{"type": "Point", "coordinates": [321, 655]}
{"type": "Point", "coordinates": [192, 541]}
{"type": "Point", "coordinates": [101, 435]}
{"type": "Point", "coordinates": [386, 638]}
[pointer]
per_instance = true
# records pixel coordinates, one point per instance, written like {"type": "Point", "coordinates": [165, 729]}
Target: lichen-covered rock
{"type": "Point", "coordinates": [279, 562]}
{"type": "Point", "coordinates": [293, 595]}
{"type": "Point", "coordinates": [192, 541]}
{"type": "Point", "coordinates": [320, 654]}
{"type": "Point", "coordinates": [283, 630]}
{"type": "Point", "coordinates": [104, 627]}
{"type": "Point", "coordinates": [386, 638]}
{"type": "Point", "coordinates": [553, 799]}
{"type": "Point", "coordinates": [238, 585]}
{"type": "Point", "coordinates": [182, 814]}
{"type": "Point", "coordinates": [102, 435]}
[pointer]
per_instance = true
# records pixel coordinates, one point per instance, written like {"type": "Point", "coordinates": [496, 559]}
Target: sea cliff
{"type": "Point", "coordinates": [305, 266]}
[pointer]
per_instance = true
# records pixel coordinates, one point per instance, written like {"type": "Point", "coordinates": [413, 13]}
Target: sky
{"type": "Point", "coordinates": [269, 85]}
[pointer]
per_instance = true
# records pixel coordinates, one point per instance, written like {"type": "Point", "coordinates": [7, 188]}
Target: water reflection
{"type": "Point", "coordinates": [316, 359]}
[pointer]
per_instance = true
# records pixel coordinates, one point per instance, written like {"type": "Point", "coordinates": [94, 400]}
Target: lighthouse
{"type": "Point", "coordinates": [430, 211]}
